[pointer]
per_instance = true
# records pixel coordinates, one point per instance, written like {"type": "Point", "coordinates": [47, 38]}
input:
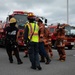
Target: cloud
{"type": "Point", "coordinates": [54, 10]}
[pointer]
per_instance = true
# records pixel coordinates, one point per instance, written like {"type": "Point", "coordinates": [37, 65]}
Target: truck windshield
{"type": "Point", "coordinates": [21, 20]}
{"type": "Point", "coordinates": [51, 30]}
{"type": "Point", "coordinates": [68, 30]}
{"type": "Point", "coordinates": [73, 31]}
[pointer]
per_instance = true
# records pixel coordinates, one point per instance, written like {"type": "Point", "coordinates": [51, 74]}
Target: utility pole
{"type": "Point", "coordinates": [67, 11]}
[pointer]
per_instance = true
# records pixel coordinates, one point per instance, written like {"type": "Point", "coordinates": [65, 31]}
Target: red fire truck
{"type": "Point", "coordinates": [1, 34]}
{"type": "Point", "coordinates": [21, 18]}
{"type": "Point", "coordinates": [69, 39]}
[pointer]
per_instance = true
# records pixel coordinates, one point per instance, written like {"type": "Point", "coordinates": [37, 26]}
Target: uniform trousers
{"type": "Point", "coordinates": [61, 52]}
{"type": "Point", "coordinates": [12, 47]}
{"type": "Point", "coordinates": [34, 54]}
{"type": "Point", "coordinates": [42, 50]}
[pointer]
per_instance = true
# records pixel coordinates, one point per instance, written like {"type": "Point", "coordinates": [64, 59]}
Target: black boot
{"type": "Point", "coordinates": [48, 60]}
{"type": "Point", "coordinates": [42, 59]}
{"type": "Point", "coordinates": [25, 56]}
{"type": "Point", "coordinates": [33, 68]}
{"type": "Point", "coordinates": [11, 61]}
{"type": "Point", "coordinates": [39, 67]}
{"type": "Point", "coordinates": [19, 61]}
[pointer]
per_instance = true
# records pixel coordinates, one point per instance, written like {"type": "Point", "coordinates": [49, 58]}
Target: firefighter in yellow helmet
{"type": "Point", "coordinates": [10, 41]}
{"type": "Point", "coordinates": [31, 40]}
{"type": "Point", "coordinates": [12, 20]}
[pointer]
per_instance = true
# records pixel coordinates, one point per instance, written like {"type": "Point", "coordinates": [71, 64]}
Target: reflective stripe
{"type": "Point", "coordinates": [30, 27]}
{"type": "Point", "coordinates": [34, 34]}
{"type": "Point", "coordinates": [31, 31]}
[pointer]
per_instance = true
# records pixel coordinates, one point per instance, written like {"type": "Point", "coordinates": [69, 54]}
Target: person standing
{"type": "Point", "coordinates": [11, 41]}
{"type": "Point", "coordinates": [42, 51]}
{"type": "Point", "coordinates": [31, 40]}
{"type": "Point", "coordinates": [60, 43]}
{"type": "Point", "coordinates": [47, 42]}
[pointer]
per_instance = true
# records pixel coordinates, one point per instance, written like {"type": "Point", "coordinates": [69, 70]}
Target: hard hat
{"type": "Point", "coordinates": [12, 20]}
{"type": "Point", "coordinates": [31, 15]}
{"type": "Point", "coordinates": [40, 20]}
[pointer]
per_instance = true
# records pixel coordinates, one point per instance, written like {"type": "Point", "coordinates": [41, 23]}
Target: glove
{"type": "Point", "coordinates": [25, 44]}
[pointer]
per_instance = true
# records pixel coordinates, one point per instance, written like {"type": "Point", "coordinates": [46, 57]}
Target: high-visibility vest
{"type": "Point", "coordinates": [35, 36]}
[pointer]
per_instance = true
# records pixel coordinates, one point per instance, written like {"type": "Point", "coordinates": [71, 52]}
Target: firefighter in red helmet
{"type": "Point", "coordinates": [31, 40]}
{"type": "Point", "coordinates": [31, 17]}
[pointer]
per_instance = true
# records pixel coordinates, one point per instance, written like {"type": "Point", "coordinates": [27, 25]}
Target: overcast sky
{"type": "Point", "coordinates": [54, 10]}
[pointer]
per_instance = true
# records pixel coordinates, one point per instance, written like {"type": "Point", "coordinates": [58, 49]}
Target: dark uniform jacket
{"type": "Point", "coordinates": [11, 33]}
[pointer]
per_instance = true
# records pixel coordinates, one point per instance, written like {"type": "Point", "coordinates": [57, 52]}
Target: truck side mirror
{"type": "Point", "coordinates": [46, 22]}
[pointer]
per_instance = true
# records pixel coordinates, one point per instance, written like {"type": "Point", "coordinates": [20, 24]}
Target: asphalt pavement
{"type": "Point", "coordinates": [54, 68]}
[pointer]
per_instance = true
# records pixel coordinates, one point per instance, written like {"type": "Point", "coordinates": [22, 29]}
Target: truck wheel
{"type": "Point", "coordinates": [70, 47]}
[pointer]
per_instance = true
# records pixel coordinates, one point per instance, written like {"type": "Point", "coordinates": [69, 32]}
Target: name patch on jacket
{"type": "Point", "coordinates": [12, 33]}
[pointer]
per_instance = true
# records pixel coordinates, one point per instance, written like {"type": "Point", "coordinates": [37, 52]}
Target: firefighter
{"type": "Point", "coordinates": [44, 55]}
{"type": "Point", "coordinates": [11, 41]}
{"type": "Point", "coordinates": [31, 40]}
{"type": "Point", "coordinates": [21, 38]}
{"type": "Point", "coordinates": [60, 43]}
{"type": "Point", "coordinates": [47, 42]}
{"type": "Point", "coordinates": [25, 51]}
